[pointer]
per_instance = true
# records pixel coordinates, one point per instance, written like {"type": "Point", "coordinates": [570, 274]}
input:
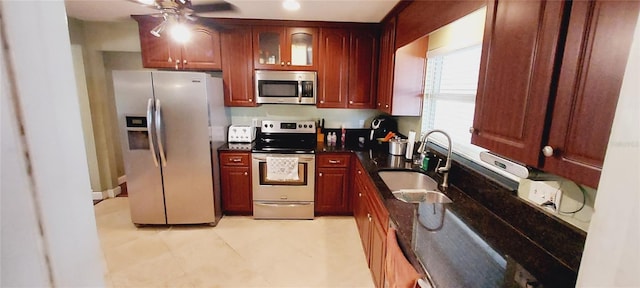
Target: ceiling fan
{"type": "Point", "coordinates": [175, 12]}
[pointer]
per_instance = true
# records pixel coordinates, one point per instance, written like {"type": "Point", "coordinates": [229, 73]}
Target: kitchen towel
{"type": "Point", "coordinates": [399, 273]}
{"type": "Point", "coordinates": [282, 169]}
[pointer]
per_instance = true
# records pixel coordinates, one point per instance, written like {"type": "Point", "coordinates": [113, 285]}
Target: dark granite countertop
{"type": "Point", "coordinates": [235, 147]}
{"type": "Point", "coordinates": [466, 245]}
{"type": "Point", "coordinates": [483, 239]}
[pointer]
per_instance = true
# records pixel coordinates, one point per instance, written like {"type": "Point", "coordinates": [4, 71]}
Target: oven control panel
{"type": "Point", "coordinates": [277, 126]}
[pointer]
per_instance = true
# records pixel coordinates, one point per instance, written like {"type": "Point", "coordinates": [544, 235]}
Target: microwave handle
{"type": "Point", "coordinates": [299, 91]}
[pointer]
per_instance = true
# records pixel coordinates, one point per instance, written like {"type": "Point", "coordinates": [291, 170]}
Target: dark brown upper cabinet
{"type": "Point", "coordinates": [201, 52]}
{"type": "Point", "coordinates": [386, 65]}
{"type": "Point", "coordinates": [348, 70]}
{"type": "Point", "coordinates": [546, 96]}
{"type": "Point", "coordinates": [595, 55]}
{"type": "Point", "coordinates": [237, 68]}
{"type": "Point", "coordinates": [516, 71]}
{"type": "Point", "coordinates": [285, 48]}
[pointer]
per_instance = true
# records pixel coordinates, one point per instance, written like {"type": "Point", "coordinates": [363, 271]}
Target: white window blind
{"type": "Point", "coordinates": [450, 91]}
{"type": "Point", "coordinates": [449, 101]}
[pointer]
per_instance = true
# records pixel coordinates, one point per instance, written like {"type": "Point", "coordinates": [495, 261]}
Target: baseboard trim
{"type": "Point", "coordinates": [97, 195]}
{"type": "Point", "coordinates": [114, 192]}
{"type": "Point", "coordinates": [109, 193]}
{"type": "Point", "coordinates": [122, 179]}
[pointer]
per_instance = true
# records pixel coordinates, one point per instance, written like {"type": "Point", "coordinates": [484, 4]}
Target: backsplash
{"type": "Point", "coordinates": [572, 209]}
{"type": "Point", "coordinates": [499, 195]}
{"type": "Point", "coordinates": [334, 118]}
{"type": "Point", "coordinates": [572, 197]}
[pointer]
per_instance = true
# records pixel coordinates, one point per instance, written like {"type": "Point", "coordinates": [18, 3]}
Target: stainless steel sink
{"type": "Point", "coordinates": [413, 187]}
{"type": "Point", "coordinates": [421, 196]}
{"type": "Point", "coordinates": [403, 179]}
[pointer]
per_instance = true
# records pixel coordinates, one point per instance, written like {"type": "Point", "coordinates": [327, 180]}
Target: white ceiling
{"type": "Point", "coordinates": [311, 10]}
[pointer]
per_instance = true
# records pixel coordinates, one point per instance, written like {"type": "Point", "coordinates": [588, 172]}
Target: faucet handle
{"type": "Point", "coordinates": [437, 170]}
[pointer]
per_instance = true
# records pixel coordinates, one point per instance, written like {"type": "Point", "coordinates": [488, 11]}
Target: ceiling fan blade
{"type": "Point", "coordinates": [214, 7]}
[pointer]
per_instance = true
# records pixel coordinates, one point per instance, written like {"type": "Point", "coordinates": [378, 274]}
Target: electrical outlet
{"type": "Point", "coordinates": [524, 279]}
{"type": "Point", "coordinates": [546, 194]}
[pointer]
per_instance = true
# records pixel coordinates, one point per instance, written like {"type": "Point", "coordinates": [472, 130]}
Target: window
{"type": "Point", "coordinates": [449, 100]}
{"type": "Point", "coordinates": [450, 91]}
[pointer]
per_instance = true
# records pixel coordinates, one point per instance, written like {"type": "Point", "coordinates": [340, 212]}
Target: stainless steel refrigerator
{"type": "Point", "coordinates": [169, 123]}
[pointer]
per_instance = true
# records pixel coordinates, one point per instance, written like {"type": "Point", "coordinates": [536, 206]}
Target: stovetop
{"type": "Point", "coordinates": [297, 137]}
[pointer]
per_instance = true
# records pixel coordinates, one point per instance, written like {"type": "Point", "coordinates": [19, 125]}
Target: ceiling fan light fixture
{"type": "Point", "coordinates": [147, 2]}
{"type": "Point", "coordinates": [158, 29]}
{"type": "Point", "coordinates": [180, 32]}
{"type": "Point", "coordinates": [291, 5]}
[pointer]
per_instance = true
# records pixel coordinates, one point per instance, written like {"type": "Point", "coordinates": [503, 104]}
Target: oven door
{"type": "Point", "coordinates": [282, 189]}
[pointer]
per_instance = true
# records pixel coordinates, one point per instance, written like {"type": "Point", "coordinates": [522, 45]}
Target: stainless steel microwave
{"type": "Point", "coordinates": [286, 87]}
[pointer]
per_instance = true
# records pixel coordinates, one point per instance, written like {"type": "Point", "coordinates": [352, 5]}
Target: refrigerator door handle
{"type": "Point", "coordinates": [149, 124]}
{"type": "Point", "coordinates": [159, 129]}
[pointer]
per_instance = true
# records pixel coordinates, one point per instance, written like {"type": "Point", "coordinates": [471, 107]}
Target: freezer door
{"type": "Point", "coordinates": [186, 163]}
{"type": "Point", "coordinates": [133, 92]}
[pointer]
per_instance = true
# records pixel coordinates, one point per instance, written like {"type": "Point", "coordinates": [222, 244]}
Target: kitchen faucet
{"type": "Point", "coordinates": [447, 166]}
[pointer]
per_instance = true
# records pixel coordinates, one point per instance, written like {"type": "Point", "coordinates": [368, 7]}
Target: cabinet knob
{"type": "Point", "coordinates": [184, 61]}
{"type": "Point", "coordinates": [246, 173]}
{"type": "Point", "coordinates": [177, 63]}
{"type": "Point", "coordinates": [250, 100]}
{"type": "Point", "coordinates": [288, 63]}
{"type": "Point", "coordinates": [547, 151]}
{"type": "Point", "coordinates": [359, 194]}
{"type": "Point", "coordinates": [471, 130]}
{"type": "Point", "coordinates": [379, 104]}
{"type": "Point", "coordinates": [386, 106]}
{"type": "Point", "coordinates": [282, 63]}
{"type": "Point", "coordinates": [321, 101]}
{"type": "Point", "coordinates": [359, 172]}
{"type": "Point", "coordinates": [350, 101]}
{"type": "Point", "coordinates": [320, 174]}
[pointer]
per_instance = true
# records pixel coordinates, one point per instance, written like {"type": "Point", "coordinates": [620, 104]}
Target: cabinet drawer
{"type": "Point", "coordinates": [334, 160]}
{"type": "Point", "coordinates": [234, 159]}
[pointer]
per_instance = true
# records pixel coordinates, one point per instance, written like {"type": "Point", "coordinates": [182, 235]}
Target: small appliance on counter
{"type": "Point", "coordinates": [241, 134]}
{"type": "Point", "coordinates": [381, 125]}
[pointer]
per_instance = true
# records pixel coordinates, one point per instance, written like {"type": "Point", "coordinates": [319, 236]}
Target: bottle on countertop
{"type": "Point", "coordinates": [331, 138]}
{"type": "Point", "coordinates": [343, 137]}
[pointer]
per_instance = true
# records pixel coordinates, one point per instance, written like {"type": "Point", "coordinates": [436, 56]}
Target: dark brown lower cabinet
{"type": "Point", "coordinates": [235, 182]}
{"type": "Point", "coordinates": [332, 184]}
{"type": "Point", "coordinates": [372, 220]}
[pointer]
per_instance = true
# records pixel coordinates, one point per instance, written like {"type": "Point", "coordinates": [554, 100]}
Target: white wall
{"type": "Point", "coordinates": [612, 252]}
{"type": "Point", "coordinates": [49, 237]}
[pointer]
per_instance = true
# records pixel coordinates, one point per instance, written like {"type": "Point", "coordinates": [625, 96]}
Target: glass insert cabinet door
{"type": "Point", "coordinates": [285, 48]}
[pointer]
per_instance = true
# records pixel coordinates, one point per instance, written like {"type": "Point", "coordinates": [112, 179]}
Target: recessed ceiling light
{"type": "Point", "coordinates": [291, 5]}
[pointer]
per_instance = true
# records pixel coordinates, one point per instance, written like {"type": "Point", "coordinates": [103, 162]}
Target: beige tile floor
{"type": "Point", "coordinates": [239, 252]}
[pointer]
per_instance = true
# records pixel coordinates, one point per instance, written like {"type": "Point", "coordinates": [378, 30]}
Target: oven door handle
{"type": "Point", "coordinates": [299, 91]}
{"type": "Point", "coordinates": [300, 159]}
{"type": "Point", "coordinates": [289, 204]}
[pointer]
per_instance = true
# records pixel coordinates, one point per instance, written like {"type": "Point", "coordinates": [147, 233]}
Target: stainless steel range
{"type": "Point", "coordinates": [283, 170]}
